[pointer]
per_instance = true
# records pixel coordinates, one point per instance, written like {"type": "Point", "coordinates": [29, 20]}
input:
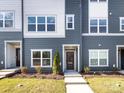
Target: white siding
{"type": "Point", "coordinates": [12, 5]}
{"type": "Point", "coordinates": [45, 7]}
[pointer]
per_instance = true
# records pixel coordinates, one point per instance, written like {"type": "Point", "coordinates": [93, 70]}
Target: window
{"type": "Point", "coordinates": [41, 58]}
{"type": "Point", "coordinates": [98, 25]}
{"type": "Point", "coordinates": [42, 24]}
{"type": "Point", "coordinates": [122, 24]}
{"type": "Point", "coordinates": [70, 22]}
{"type": "Point", "coordinates": [6, 19]}
{"type": "Point", "coordinates": [98, 58]}
{"type": "Point", "coordinates": [98, 0]}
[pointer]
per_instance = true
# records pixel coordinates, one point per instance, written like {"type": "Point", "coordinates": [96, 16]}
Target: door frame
{"type": "Point", "coordinates": [74, 58]}
{"type": "Point", "coordinates": [78, 55]}
{"type": "Point", "coordinates": [5, 51]}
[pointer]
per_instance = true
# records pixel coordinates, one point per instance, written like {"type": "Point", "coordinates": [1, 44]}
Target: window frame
{"type": "Point", "coordinates": [99, 50]}
{"type": "Point", "coordinates": [73, 21]}
{"type": "Point", "coordinates": [98, 1]}
{"type": "Point", "coordinates": [13, 19]}
{"type": "Point", "coordinates": [41, 58]}
{"type": "Point", "coordinates": [36, 28]}
{"type": "Point", "coordinates": [98, 25]}
{"type": "Point", "coordinates": [121, 18]}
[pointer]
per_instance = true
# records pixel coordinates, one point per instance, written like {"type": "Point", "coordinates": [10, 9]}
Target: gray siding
{"type": "Point", "coordinates": [7, 36]}
{"type": "Point", "coordinates": [72, 36]}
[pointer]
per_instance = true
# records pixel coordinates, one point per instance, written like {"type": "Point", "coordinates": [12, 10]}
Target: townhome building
{"type": "Point", "coordinates": [87, 33]}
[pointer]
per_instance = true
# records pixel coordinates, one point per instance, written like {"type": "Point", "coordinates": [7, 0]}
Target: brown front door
{"type": "Point", "coordinates": [17, 57]}
{"type": "Point", "coordinates": [70, 60]}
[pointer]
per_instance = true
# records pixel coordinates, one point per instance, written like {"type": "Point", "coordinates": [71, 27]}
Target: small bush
{"type": "Point", "coordinates": [86, 69]}
{"type": "Point", "coordinates": [38, 70]}
{"type": "Point", "coordinates": [24, 70]}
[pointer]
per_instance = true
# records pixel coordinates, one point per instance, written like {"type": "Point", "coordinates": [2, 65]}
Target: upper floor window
{"type": "Point", "coordinates": [122, 24]}
{"type": "Point", "coordinates": [98, 25]}
{"type": "Point", "coordinates": [6, 19]}
{"type": "Point", "coordinates": [42, 23]}
{"type": "Point", "coordinates": [98, 58]}
{"type": "Point", "coordinates": [98, 0]}
{"type": "Point", "coordinates": [70, 22]}
{"type": "Point", "coordinates": [41, 58]}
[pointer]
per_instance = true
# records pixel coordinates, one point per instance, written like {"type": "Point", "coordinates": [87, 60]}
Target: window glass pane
{"type": "Point", "coordinates": [103, 54]}
{"type": "Point", "coordinates": [122, 26]}
{"type": "Point", "coordinates": [102, 29]}
{"type": "Point", "coordinates": [102, 22]}
{"type": "Point", "coordinates": [36, 54]}
{"type": "Point", "coordinates": [103, 62]}
{"type": "Point", "coordinates": [31, 19]}
{"type": "Point", "coordinates": [50, 19]}
{"type": "Point", "coordinates": [1, 16]}
{"type": "Point", "coordinates": [41, 27]}
{"type": "Point", "coordinates": [94, 62]}
{"type": "Point", "coordinates": [51, 27]}
{"type": "Point", "coordinates": [32, 27]}
{"type": "Point", "coordinates": [102, 0]}
{"type": "Point", "coordinates": [36, 62]}
{"type": "Point", "coordinates": [41, 19]}
{"type": "Point", "coordinates": [93, 0]}
{"type": "Point", "coordinates": [46, 55]}
{"type": "Point", "coordinates": [70, 25]}
{"type": "Point", "coordinates": [93, 29]}
{"type": "Point", "coordinates": [122, 21]}
{"type": "Point", "coordinates": [93, 22]}
{"type": "Point", "coordinates": [8, 23]}
{"type": "Point", "coordinates": [1, 23]}
{"type": "Point", "coordinates": [46, 62]}
{"type": "Point", "coordinates": [8, 15]}
{"type": "Point", "coordinates": [70, 19]}
{"type": "Point", "coordinates": [93, 54]}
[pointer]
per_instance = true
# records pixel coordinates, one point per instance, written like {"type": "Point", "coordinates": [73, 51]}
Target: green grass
{"type": "Point", "coordinates": [107, 84]}
{"type": "Point", "coordinates": [31, 86]}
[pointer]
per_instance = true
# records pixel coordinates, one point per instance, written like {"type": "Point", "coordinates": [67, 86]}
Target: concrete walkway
{"type": "Point", "coordinates": [76, 84]}
{"type": "Point", "coordinates": [7, 72]}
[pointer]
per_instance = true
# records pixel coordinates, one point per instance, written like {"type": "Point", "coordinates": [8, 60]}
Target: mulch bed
{"type": "Point", "coordinates": [39, 76]}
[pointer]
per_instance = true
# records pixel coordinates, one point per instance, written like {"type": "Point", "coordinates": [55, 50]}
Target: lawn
{"type": "Point", "coordinates": [108, 84]}
{"type": "Point", "coordinates": [16, 85]}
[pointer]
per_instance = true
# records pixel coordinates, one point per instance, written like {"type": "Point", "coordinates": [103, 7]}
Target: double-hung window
{"type": "Point", "coordinates": [98, 58]}
{"type": "Point", "coordinates": [6, 19]}
{"type": "Point", "coordinates": [70, 22]}
{"type": "Point", "coordinates": [98, 25]}
{"type": "Point", "coordinates": [41, 58]}
{"type": "Point", "coordinates": [122, 24]}
{"type": "Point", "coordinates": [41, 23]}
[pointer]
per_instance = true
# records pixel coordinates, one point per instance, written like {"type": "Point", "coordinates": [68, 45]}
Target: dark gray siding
{"type": "Point", "coordinates": [72, 36]}
{"type": "Point", "coordinates": [106, 43]}
{"type": "Point", "coordinates": [7, 36]}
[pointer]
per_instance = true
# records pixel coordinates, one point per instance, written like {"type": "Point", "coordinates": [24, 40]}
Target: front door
{"type": "Point", "coordinates": [122, 59]}
{"type": "Point", "coordinates": [17, 57]}
{"type": "Point", "coordinates": [70, 60]}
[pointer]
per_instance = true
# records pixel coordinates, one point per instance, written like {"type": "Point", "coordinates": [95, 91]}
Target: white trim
{"type": "Point", "coordinates": [12, 41]}
{"type": "Point", "coordinates": [41, 51]}
{"type": "Point", "coordinates": [73, 23]}
{"type": "Point", "coordinates": [117, 47]}
{"type": "Point", "coordinates": [99, 50]}
{"type": "Point", "coordinates": [98, 1]}
{"type": "Point", "coordinates": [63, 51]}
{"type": "Point", "coordinates": [101, 34]}
{"type": "Point", "coordinates": [121, 18]}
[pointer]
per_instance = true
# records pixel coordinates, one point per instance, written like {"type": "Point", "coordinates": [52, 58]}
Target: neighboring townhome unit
{"type": "Point", "coordinates": [87, 33]}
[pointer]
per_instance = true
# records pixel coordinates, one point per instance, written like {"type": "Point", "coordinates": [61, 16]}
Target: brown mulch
{"type": "Point", "coordinates": [39, 76]}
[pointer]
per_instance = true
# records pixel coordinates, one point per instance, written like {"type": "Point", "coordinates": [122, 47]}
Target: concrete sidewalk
{"type": "Point", "coordinates": [76, 84]}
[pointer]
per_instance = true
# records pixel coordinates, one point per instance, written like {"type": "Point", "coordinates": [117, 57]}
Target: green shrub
{"type": "Point", "coordinates": [24, 70]}
{"type": "Point", "coordinates": [56, 63]}
{"type": "Point", "coordinates": [38, 69]}
{"type": "Point", "coordinates": [86, 69]}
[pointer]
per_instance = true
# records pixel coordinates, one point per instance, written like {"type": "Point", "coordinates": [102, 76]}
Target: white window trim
{"type": "Point", "coordinates": [98, 1]}
{"type": "Point", "coordinates": [45, 24]}
{"type": "Point", "coordinates": [8, 11]}
{"type": "Point", "coordinates": [121, 18]}
{"type": "Point", "coordinates": [41, 50]}
{"type": "Point", "coordinates": [99, 25]}
{"type": "Point", "coordinates": [98, 50]}
{"type": "Point", "coordinates": [73, 22]}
